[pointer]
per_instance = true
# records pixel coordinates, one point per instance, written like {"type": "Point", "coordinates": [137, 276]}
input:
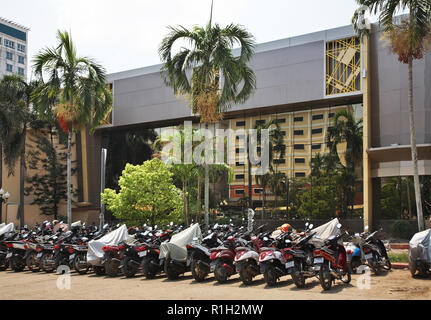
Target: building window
{"type": "Point", "coordinates": [317, 146]}
{"type": "Point", "coordinates": [258, 190]}
{"type": "Point", "coordinates": [317, 131]}
{"type": "Point", "coordinates": [260, 122]}
{"type": "Point", "coordinates": [9, 44]}
{"type": "Point", "coordinates": [298, 119]}
{"type": "Point", "coordinates": [318, 117]}
{"type": "Point", "coordinates": [298, 132]}
{"type": "Point", "coordinates": [281, 120]}
{"type": "Point", "coordinates": [283, 133]}
{"type": "Point", "coordinates": [239, 192]}
{"type": "Point", "coordinates": [9, 55]}
{"type": "Point", "coordinates": [21, 71]}
{"type": "Point", "coordinates": [298, 147]}
{"type": "Point", "coordinates": [21, 47]}
{"type": "Point", "coordinates": [239, 150]}
{"type": "Point", "coordinates": [9, 67]}
{"type": "Point", "coordinates": [279, 161]}
{"type": "Point", "coordinates": [239, 177]}
{"type": "Point", "coordinates": [240, 123]}
{"type": "Point", "coordinates": [331, 115]}
{"type": "Point", "coordinates": [299, 174]}
{"type": "Point", "coordinates": [343, 66]}
{"type": "Point", "coordinates": [240, 137]}
{"type": "Point", "coordinates": [299, 160]}
{"type": "Point", "coordinates": [239, 164]}
{"type": "Point", "coordinates": [21, 59]}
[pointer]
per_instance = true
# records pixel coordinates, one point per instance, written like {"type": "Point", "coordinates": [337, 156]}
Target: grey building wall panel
{"type": "Point", "coordinates": [389, 96]}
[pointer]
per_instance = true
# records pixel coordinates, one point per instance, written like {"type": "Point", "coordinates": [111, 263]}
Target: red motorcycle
{"type": "Point", "coordinates": [331, 261]}
{"type": "Point", "coordinates": [111, 260]}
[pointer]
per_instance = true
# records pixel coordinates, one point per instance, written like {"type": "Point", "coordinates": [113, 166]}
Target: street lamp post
{"type": "Point", "coordinates": [4, 196]}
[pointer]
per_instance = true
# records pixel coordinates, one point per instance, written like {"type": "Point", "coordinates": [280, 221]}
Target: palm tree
{"type": "Point", "coordinates": [408, 42]}
{"type": "Point", "coordinates": [276, 148]}
{"type": "Point", "coordinates": [79, 86]}
{"type": "Point", "coordinates": [218, 78]}
{"type": "Point", "coordinates": [15, 117]}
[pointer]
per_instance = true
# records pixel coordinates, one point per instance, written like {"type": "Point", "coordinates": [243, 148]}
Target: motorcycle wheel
{"type": "Point", "coordinates": [31, 262]}
{"type": "Point", "coordinates": [99, 270]}
{"type": "Point", "coordinates": [17, 265]}
{"type": "Point", "coordinates": [45, 267]}
{"type": "Point", "coordinates": [220, 273]}
{"type": "Point", "coordinates": [354, 264]}
{"type": "Point", "coordinates": [388, 265]}
{"type": "Point", "coordinates": [3, 264]}
{"type": "Point", "coordinates": [346, 278]}
{"type": "Point", "coordinates": [111, 269]}
{"type": "Point", "coordinates": [149, 272]}
{"type": "Point", "coordinates": [197, 273]}
{"type": "Point", "coordinates": [412, 268]}
{"type": "Point", "coordinates": [129, 271]}
{"type": "Point", "coordinates": [325, 277]}
{"type": "Point", "coordinates": [172, 274]}
{"type": "Point", "coordinates": [245, 276]}
{"type": "Point", "coordinates": [270, 276]}
{"type": "Point", "coordinates": [76, 264]}
{"type": "Point", "coordinates": [297, 277]}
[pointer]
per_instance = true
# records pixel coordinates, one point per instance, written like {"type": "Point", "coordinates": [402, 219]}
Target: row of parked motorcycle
{"type": "Point", "coordinates": [223, 250]}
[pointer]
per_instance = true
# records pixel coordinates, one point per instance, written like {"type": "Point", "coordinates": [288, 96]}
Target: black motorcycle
{"type": "Point", "coordinates": [375, 253]}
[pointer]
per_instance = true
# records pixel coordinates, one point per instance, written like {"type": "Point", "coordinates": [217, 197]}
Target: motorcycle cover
{"type": "Point", "coordinates": [7, 228]}
{"type": "Point", "coordinates": [176, 247]}
{"type": "Point", "coordinates": [95, 252]}
{"type": "Point", "coordinates": [325, 231]}
{"type": "Point", "coordinates": [420, 246]}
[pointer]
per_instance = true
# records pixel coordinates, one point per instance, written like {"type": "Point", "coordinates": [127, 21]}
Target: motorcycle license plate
{"type": "Point", "coordinates": [212, 267]}
{"type": "Point", "coordinates": [290, 264]}
{"type": "Point", "coordinates": [369, 256]}
{"type": "Point", "coordinates": [318, 260]}
{"type": "Point", "coordinates": [143, 253]}
{"type": "Point", "coordinates": [71, 256]}
{"type": "Point", "coordinates": [9, 255]}
{"type": "Point", "coordinates": [39, 255]}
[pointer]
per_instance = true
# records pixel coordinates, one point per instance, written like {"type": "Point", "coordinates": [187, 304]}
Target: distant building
{"type": "Point", "coordinates": [13, 48]}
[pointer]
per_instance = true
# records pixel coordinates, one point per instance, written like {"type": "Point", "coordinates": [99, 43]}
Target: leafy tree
{"type": "Point", "coordinates": [218, 79]}
{"type": "Point", "coordinates": [48, 182]}
{"type": "Point", "coordinates": [77, 87]}
{"type": "Point", "coordinates": [16, 116]}
{"type": "Point", "coordinates": [146, 193]}
{"type": "Point", "coordinates": [409, 41]}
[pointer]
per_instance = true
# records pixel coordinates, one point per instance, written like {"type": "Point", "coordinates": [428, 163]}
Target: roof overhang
{"type": "Point", "coordinates": [399, 153]}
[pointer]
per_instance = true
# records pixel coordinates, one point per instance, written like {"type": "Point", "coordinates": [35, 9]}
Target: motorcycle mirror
{"type": "Point", "coordinates": [366, 228]}
{"type": "Point", "coordinates": [150, 234]}
{"type": "Point", "coordinates": [150, 228]}
{"type": "Point", "coordinates": [155, 227]}
{"type": "Point", "coordinates": [265, 238]}
{"type": "Point", "coordinates": [145, 225]}
{"type": "Point", "coordinates": [306, 224]}
{"type": "Point", "coordinates": [287, 241]}
{"type": "Point", "coordinates": [339, 225]}
{"type": "Point", "coordinates": [230, 220]}
{"type": "Point", "coordinates": [311, 226]}
{"type": "Point", "coordinates": [171, 224]}
{"type": "Point", "coordinates": [356, 234]}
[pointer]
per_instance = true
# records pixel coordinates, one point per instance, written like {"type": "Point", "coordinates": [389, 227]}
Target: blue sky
{"type": "Point", "coordinates": [125, 34]}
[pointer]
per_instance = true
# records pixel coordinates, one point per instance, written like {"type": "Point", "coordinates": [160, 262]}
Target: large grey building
{"type": "Point", "coordinates": [13, 48]}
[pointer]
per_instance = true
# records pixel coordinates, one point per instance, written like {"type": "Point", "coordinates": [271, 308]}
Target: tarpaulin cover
{"type": "Point", "coordinates": [95, 252]}
{"type": "Point", "coordinates": [420, 246]}
{"type": "Point", "coordinates": [176, 247]}
{"type": "Point", "coordinates": [7, 228]}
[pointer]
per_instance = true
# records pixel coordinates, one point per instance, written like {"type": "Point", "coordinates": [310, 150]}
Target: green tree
{"type": "Point", "coordinates": [146, 193]}
{"type": "Point", "coordinates": [16, 115]}
{"type": "Point", "coordinates": [218, 78]}
{"type": "Point", "coordinates": [78, 86]}
{"type": "Point", "coordinates": [409, 42]}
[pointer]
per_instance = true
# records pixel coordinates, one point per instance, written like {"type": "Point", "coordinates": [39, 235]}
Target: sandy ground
{"type": "Point", "coordinates": [397, 284]}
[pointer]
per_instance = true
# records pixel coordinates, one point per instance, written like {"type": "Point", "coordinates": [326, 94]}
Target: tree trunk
{"type": "Point", "coordinates": [414, 150]}
{"type": "Point", "coordinates": [409, 201]}
{"type": "Point", "coordinates": [250, 191]}
{"type": "Point", "coordinates": [185, 203]}
{"type": "Point", "coordinates": [69, 176]}
{"type": "Point", "coordinates": [22, 180]}
{"type": "Point", "coordinates": [198, 210]}
{"type": "Point", "coordinates": [207, 192]}
{"type": "Point", "coordinates": [263, 201]}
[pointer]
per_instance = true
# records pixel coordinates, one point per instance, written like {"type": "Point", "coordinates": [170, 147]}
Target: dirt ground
{"type": "Point", "coordinates": [397, 284]}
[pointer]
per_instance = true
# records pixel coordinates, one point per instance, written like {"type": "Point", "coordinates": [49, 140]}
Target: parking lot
{"type": "Point", "coordinates": [397, 284]}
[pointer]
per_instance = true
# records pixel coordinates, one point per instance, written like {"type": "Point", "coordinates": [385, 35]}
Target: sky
{"type": "Point", "coordinates": [124, 35]}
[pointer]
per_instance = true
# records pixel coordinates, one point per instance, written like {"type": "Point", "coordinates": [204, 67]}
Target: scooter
{"type": "Point", "coordinates": [331, 261]}
{"type": "Point", "coordinates": [375, 253]}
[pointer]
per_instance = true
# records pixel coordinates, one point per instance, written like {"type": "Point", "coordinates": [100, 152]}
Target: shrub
{"type": "Point", "coordinates": [402, 229]}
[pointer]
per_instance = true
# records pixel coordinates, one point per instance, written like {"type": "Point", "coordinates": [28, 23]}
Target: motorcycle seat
{"type": "Point", "coordinates": [266, 249]}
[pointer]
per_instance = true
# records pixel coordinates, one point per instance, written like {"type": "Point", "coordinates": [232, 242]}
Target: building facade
{"type": "Point", "coordinates": [13, 48]}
